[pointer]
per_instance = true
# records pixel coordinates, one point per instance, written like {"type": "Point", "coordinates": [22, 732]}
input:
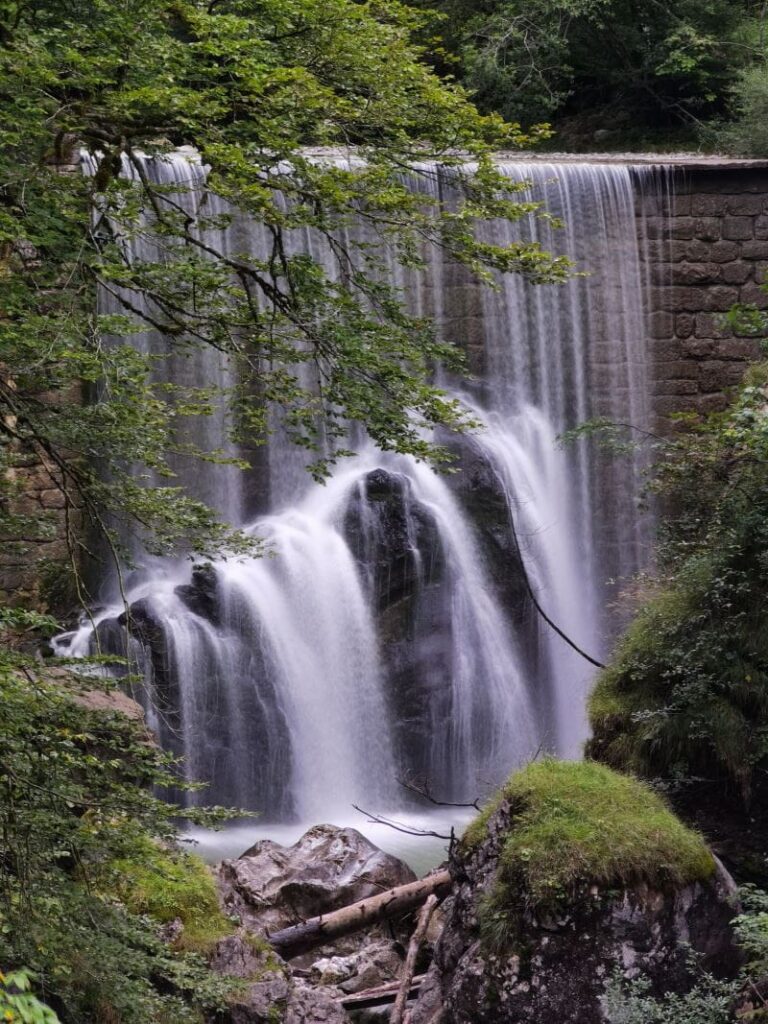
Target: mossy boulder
{"type": "Point", "coordinates": [574, 872]}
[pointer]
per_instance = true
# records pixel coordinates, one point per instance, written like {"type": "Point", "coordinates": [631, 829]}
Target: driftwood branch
{"type": "Point", "coordinates": [300, 938]}
{"type": "Point", "coordinates": [424, 790]}
{"type": "Point", "coordinates": [398, 826]}
{"type": "Point", "coordinates": [409, 968]}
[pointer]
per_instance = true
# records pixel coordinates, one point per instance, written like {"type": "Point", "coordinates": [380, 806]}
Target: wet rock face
{"type": "Point", "coordinates": [200, 595]}
{"type": "Point", "coordinates": [395, 539]}
{"type": "Point", "coordinates": [273, 886]}
{"type": "Point", "coordinates": [553, 968]}
{"type": "Point", "coordinates": [481, 493]}
{"type": "Point", "coordinates": [397, 545]}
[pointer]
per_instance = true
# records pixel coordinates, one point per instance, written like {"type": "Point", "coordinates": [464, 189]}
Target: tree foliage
{"type": "Point", "coordinates": [79, 828]}
{"type": "Point", "coordinates": [250, 84]}
{"type": "Point", "coordinates": [686, 696]}
{"type": "Point", "coordinates": [639, 67]}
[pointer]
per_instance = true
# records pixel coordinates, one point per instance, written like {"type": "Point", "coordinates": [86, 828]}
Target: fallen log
{"type": "Point", "coordinates": [379, 996]}
{"type": "Point", "coordinates": [300, 938]}
{"type": "Point", "coordinates": [409, 968]}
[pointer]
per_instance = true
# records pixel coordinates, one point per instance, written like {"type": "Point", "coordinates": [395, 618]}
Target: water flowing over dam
{"type": "Point", "coordinates": [390, 633]}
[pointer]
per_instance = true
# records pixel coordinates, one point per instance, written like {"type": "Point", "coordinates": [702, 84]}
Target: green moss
{"type": "Point", "coordinates": [577, 823]}
{"type": "Point", "coordinates": [170, 885]}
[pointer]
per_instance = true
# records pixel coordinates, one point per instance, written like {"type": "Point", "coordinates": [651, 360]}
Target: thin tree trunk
{"type": "Point", "coordinates": [409, 968]}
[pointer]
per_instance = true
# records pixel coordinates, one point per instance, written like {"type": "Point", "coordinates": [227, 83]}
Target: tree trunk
{"type": "Point", "coordinates": [409, 968]}
{"type": "Point", "coordinates": [300, 938]}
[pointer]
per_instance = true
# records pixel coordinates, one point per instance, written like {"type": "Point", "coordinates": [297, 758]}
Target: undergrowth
{"type": "Point", "coordinates": [168, 885]}
{"type": "Point", "coordinates": [686, 694]}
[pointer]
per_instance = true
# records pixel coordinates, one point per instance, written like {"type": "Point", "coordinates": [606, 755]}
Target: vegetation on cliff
{"type": "Point", "coordinates": [686, 696]}
{"type": "Point", "coordinates": [84, 885]}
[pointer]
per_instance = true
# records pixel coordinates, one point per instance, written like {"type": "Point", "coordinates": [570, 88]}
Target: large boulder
{"type": "Point", "coordinates": [575, 874]}
{"type": "Point", "coordinates": [273, 886]}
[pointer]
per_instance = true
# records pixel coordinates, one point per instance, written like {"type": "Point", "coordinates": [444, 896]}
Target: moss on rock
{"type": "Point", "coordinates": [170, 885]}
{"type": "Point", "coordinates": [570, 824]}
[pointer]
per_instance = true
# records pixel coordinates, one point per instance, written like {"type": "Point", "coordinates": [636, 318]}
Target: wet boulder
{"type": "Point", "coordinates": [574, 875]}
{"type": "Point", "coordinates": [273, 886]}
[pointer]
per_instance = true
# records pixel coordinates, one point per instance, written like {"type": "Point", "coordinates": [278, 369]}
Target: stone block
{"type": "Point", "coordinates": [715, 252]}
{"type": "Point", "coordinates": [675, 387]}
{"type": "Point", "coordinates": [667, 405]}
{"type": "Point", "coordinates": [684, 325]}
{"type": "Point", "coordinates": [696, 273]}
{"type": "Point", "coordinates": [681, 227]}
{"type": "Point", "coordinates": [744, 205]}
{"type": "Point", "coordinates": [708, 404]}
{"type": "Point", "coordinates": [754, 250]}
{"type": "Point", "coordinates": [761, 227]}
{"type": "Point", "coordinates": [680, 205]}
{"type": "Point", "coordinates": [650, 205]}
{"type": "Point", "coordinates": [52, 499]}
{"type": "Point", "coordinates": [717, 375]}
{"type": "Point", "coordinates": [663, 273]}
{"type": "Point", "coordinates": [695, 298]}
{"type": "Point", "coordinates": [662, 325]}
{"type": "Point", "coordinates": [719, 298]}
{"type": "Point", "coordinates": [737, 349]}
{"type": "Point", "coordinates": [658, 250]}
{"type": "Point", "coordinates": [711, 325]}
{"type": "Point", "coordinates": [677, 299]}
{"type": "Point", "coordinates": [738, 228]}
{"type": "Point", "coordinates": [679, 369]}
{"type": "Point", "coordinates": [666, 351]}
{"type": "Point", "coordinates": [698, 348]}
{"type": "Point", "coordinates": [707, 228]}
{"type": "Point", "coordinates": [736, 273]}
{"type": "Point", "coordinates": [753, 295]}
{"type": "Point", "coordinates": [707, 205]}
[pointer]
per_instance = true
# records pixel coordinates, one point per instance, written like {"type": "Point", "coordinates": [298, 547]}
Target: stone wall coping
{"type": "Point", "coordinates": [690, 161]}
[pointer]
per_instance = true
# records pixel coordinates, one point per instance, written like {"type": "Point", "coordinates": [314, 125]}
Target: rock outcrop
{"type": "Point", "coordinates": [505, 956]}
{"type": "Point", "coordinates": [272, 887]}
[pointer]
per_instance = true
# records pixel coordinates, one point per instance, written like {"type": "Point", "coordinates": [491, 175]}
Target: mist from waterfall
{"type": "Point", "coordinates": [389, 633]}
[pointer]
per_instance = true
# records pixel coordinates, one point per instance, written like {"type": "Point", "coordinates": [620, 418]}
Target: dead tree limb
{"type": "Point", "coordinates": [382, 995]}
{"type": "Point", "coordinates": [409, 968]}
{"type": "Point", "coordinates": [300, 938]}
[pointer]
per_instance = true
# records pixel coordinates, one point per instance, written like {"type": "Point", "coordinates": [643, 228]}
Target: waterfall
{"type": "Point", "coordinates": [389, 632]}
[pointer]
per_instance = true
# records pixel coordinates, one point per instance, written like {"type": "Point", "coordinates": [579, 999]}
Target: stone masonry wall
{"type": "Point", "coordinates": [33, 554]}
{"type": "Point", "coordinates": [705, 232]}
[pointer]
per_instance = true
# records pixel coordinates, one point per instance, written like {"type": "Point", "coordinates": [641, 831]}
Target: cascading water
{"type": "Point", "coordinates": [391, 631]}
